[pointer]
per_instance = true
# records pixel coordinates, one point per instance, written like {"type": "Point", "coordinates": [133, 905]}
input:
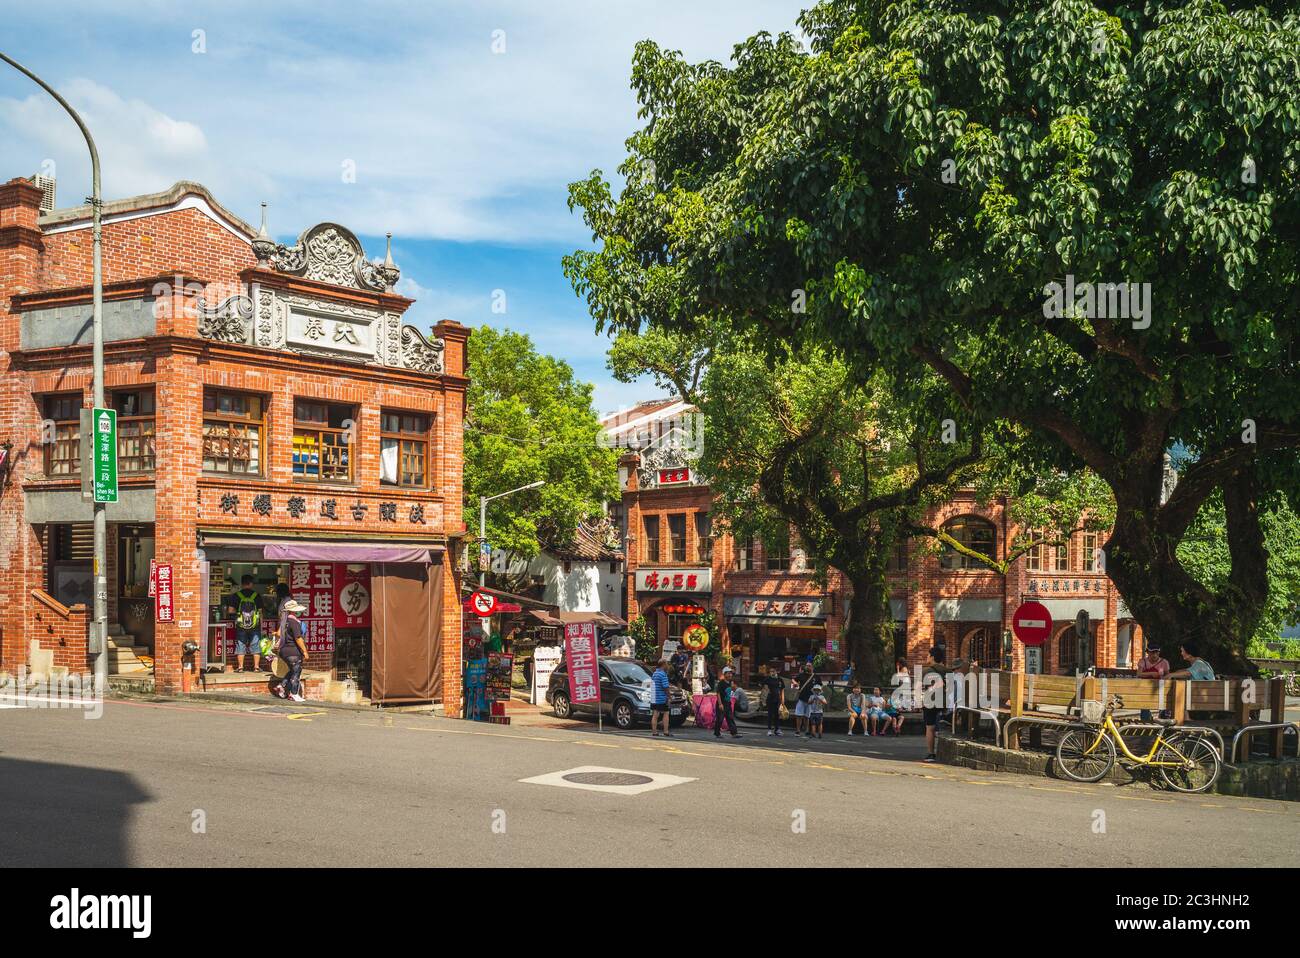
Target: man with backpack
{"type": "Point", "coordinates": [246, 612]}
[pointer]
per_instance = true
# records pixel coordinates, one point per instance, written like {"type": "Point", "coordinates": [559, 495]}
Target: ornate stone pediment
{"type": "Point", "coordinates": [329, 253]}
{"type": "Point", "coordinates": [419, 353]}
{"type": "Point", "coordinates": [228, 321]}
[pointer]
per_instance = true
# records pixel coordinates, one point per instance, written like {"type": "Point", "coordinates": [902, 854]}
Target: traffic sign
{"type": "Point", "coordinates": [1032, 623]}
{"type": "Point", "coordinates": [104, 454]}
{"type": "Point", "coordinates": [483, 603]}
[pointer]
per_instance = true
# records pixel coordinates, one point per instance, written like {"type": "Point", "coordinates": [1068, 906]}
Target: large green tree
{"type": "Point", "coordinates": [928, 180]}
{"type": "Point", "coordinates": [529, 419]}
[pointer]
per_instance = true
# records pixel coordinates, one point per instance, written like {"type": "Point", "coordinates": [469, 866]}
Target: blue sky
{"type": "Point", "coordinates": [462, 152]}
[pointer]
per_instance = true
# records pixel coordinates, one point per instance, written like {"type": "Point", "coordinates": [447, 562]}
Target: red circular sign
{"type": "Point", "coordinates": [483, 603]}
{"type": "Point", "coordinates": [1032, 623]}
{"type": "Point", "coordinates": [696, 638]}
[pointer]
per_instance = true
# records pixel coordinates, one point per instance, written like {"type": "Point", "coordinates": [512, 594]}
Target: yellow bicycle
{"type": "Point", "coordinates": [1185, 760]}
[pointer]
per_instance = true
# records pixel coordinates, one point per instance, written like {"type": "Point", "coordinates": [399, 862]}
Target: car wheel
{"type": "Point", "coordinates": [677, 722]}
{"type": "Point", "coordinates": [624, 717]}
{"type": "Point", "coordinates": [561, 706]}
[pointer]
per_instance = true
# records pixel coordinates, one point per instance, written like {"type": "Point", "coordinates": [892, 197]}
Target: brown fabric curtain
{"type": "Point", "coordinates": [406, 633]}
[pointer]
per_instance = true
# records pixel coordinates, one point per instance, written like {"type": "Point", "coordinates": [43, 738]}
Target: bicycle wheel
{"type": "Point", "coordinates": [1202, 766]}
{"type": "Point", "coordinates": [1077, 757]}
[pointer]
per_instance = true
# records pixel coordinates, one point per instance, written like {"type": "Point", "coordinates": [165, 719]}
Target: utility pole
{"type": "Point", "coordinates": [482, 522]}
{"type": "Point", "coordinates": [99, 627]}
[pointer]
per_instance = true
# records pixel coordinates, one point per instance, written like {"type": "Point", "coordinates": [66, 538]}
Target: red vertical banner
{"type": "Point", "coordinates": [162, 599]}
{"type": "Point", "coordinates": [312, 584]}
{"type": "Point", "coordinates": [580, 656]}
{"type": "Point", "coordinates": [351, 596]}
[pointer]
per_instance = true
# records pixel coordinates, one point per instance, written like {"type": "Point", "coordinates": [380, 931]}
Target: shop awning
{"type": "Point", "coordinates": [283, 549]}
{"type": "Point", "coordinates": [556, 619]}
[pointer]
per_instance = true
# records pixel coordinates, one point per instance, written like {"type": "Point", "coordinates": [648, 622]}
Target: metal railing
{"type": "Point", "coordinates": [1034, 720]}
{"type": "Point", "coordinates": [1247, 730]}
{"type": "Point", "coordinates": [982, 713]}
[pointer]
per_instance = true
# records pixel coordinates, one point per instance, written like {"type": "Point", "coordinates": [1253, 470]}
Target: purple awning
{"type": "Point", "coordinates": [351, 552]}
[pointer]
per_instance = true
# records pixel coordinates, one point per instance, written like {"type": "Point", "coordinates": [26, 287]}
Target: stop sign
{"type": "Point", "coordinates": [1032, 623]}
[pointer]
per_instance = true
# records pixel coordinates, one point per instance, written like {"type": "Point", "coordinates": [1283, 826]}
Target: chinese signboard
{"type": "Point", "coordinates": [99, 443]}
{"type": "Point", "coordinates": [674, 580]}
{"type": "Point", "coordinates": [351, 596]}
{"type": "Point", "coordinates": [580, 654]}
{"type": "Point", "coordinates": [312, 584]}
{"type": "Point", "coordinates": [669, 477]}
{"type": "Point", "coordinates": [759, 607]}
{"type": "Point", "coordinates": [162, 599]}
{"type": "Point", "coordinates": [500, 668]}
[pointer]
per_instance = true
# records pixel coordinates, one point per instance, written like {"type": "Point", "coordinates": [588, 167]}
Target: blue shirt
{"type": "Point", "coordinates": [660, 680]}
{"type": "Point", "coordinates": [1201, 671]}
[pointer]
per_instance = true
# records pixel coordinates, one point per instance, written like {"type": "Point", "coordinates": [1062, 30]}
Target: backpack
{"type": "Point", "coordinates": [247, 613]}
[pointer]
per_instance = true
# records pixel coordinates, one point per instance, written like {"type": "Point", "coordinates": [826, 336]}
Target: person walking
{"type": "Point", "coordinates": [806, 682]}
{"type": "Point", "coordinates": [775, 686]}
{"type": "Point", "coordinates": [659, 699]}
{"type": "Point", "coordinates": [726, 704]}
{"type": "Point", "coordinates": [293, 649]}
{"type": "Point", "coordinates": [245, 608]}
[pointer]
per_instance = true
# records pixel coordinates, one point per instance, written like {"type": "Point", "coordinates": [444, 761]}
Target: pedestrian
{"type": "Point", "coordinates": [245, 608]}
{"type": "Point", "coordinates": [806, 682]}
{"type": "Point", "coordinates": [932, 693]}
{"type": "Point", "coordinates": [659, 699]}
{"type": "Point", "coordinates": [816, 711]}
{"type": "Point", "coordinates": [726, 706]}
{"type": "Point", "coordinates": [877, 714]}
{"type": "Point", "coordinates": [293, 650]}
{"type": "Point", "coordinates": [775, 686]}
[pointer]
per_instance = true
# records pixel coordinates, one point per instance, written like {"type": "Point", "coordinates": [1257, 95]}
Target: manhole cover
{"type": "Point", "coordinates": [607, 778]}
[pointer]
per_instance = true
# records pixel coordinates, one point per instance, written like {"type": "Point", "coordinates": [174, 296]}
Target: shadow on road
{"type": "Point", "coordinates": [65, 815]}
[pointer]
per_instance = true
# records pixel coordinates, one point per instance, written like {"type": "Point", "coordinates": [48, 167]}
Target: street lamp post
{"type": "Point", "coordinates": [482, 521]}
{"type": "Point", "coordinates": [99, 630]}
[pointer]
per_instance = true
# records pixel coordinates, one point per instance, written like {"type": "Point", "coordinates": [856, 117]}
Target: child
{"type": "Point", "coordinates": [857, 703]}
{"type": "Point", "coordinates": [816, 710]}
{"type": "Point", "coordinates": [876, 706]}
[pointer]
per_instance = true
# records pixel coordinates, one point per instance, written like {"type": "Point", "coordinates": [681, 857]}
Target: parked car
{"type": "Point", "coordinates": [625, 695]}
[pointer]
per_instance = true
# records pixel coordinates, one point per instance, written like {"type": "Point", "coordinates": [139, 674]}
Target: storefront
{"type": "Point", "coordinates": [374, 611]}
{"type": "Point", "coordinates": [673, 599]}
{"type": "Point", "coordinates": [778, 631]}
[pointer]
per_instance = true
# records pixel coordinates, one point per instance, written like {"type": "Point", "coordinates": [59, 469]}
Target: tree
{"type": "Point", "coordinates": [529, 419]}
{"type": "Point", "coordinates": [799, 443]}
{"type": "Point", "coordinates": [1084, 223]}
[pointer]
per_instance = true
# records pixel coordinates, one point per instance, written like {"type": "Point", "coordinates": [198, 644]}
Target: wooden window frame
{"type": "Point", "coordinates": [676, 543]}
{"type": "Point", "coordinates": [61, 441]}
{"type": "Point", "coordinates": [703, 536]}
{"type": "Point", "coordinates": [319, 431]}
{"type": "Point", "coordinates": [223, 417]}
{"type": "Point", "coordinates": [137, 421]}
{"type": "Point", "coordinates": [646, 550]}
{"type": "Point", "coordinates": [950, 560]}
{"type": "Point", "coordinates": [401, 438]}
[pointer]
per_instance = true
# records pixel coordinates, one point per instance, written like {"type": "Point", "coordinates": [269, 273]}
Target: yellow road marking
{"type": "Point", "coordinates": [304, 716]}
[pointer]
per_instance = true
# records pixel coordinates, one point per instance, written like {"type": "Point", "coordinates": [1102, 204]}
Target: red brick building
{"type": "Point", "coordinates": [276, 417]}
{"type": "Point", "coordinates": [772, 609]}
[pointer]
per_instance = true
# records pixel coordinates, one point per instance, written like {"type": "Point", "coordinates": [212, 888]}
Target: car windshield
{"type": "Point", "coordinates": [628, 673]}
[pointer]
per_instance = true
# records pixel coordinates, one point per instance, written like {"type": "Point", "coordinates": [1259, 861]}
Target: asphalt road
{"type": "Point", "coordinates": [193, 785]}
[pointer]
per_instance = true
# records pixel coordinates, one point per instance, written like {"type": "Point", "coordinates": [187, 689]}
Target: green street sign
{"type": "Point", "coordinates": [104, 454]}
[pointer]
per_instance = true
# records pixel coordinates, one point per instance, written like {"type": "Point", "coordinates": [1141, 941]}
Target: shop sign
{"type": "Point", "coordinates": [672, 477]}
{"type": "Point", "coordinates": [164, 611]}
{"type": "Point", "coordinates": [153, 577]}
{"type": "Point", "coordinates": [581, 654]}
{"type": "Point", "coordinates": [500, 669]}
{"type": "Point", "coordinates": [545, 660]}
{"type": "Point", "coordinates": [1066, 585]}
{"type": "Point", "coordinates": [312, 584]}
{"type": "Point", "coordinates": [352, 596]}
{"type": "Point", "coordinates": [674, 580]}
{"type": "Point", "coordinates": [777, 608]}
{"type": "Point", "coordinates": [476, 706]}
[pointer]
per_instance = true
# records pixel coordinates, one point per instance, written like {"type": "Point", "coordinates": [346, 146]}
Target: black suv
{"type": "Point", "coordinates": [625, 694]}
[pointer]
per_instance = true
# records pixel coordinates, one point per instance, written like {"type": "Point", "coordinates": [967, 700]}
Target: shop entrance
{"type": "Point", "coordinates": [337, 597]}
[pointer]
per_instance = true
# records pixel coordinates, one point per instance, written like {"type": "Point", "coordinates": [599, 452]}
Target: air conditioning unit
{"type": "Point", "coordinates": [46, 185]}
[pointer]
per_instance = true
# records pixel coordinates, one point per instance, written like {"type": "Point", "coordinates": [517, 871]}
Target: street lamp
{"type": "Point", "coordinates": [482, 521]}
{"type": "Point", "coordinates": [99, 631]}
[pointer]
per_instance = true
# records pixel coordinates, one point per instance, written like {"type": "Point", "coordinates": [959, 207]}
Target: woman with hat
{"type": "Point", "coordinates": [293, 650]}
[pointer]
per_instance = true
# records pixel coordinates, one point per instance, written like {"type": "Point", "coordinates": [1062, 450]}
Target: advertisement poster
{"type": "Point", "coordinates": [351, 596]}
{"type": "Point", "coordinates": [476, 704]}
{"type": "Point", "coordinates": [545, 660]}
{"type": "Point", "coordinates": [312, 584]}
{"type": "Point", "coordinates": [580, 653]}
{"type": "Point", "coordinates": [500, 668]}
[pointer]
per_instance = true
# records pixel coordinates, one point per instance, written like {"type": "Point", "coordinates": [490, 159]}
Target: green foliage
{"type": "Point", "coordinates": [529, 419]}
{"type": "Point", "coordinates": [643, 635]}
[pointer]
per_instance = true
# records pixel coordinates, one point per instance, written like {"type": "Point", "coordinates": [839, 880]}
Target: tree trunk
{"type": "Point", "coordinates": [1169, 603]}
{"type": "Point", "coordinates": [869, 631]}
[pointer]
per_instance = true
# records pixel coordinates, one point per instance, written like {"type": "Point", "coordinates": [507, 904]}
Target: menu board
{"type": "Point", "coordinates": [500, 668]}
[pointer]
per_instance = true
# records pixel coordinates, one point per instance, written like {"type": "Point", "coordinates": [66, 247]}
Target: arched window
{"type": "Point", "coordinates": [974, 533]}
{"type": "Point", "coordinates": [1067, 650]}
{"type": "Point", "coordinates": [983, 646]}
